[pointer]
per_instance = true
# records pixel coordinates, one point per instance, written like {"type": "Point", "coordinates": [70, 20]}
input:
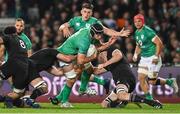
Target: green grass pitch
{"type": "Point", "coordinates": [90, 108]}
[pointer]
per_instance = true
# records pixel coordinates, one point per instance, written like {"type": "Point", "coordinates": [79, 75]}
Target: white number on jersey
{"type": "Point", "coordinates": [22, 44]}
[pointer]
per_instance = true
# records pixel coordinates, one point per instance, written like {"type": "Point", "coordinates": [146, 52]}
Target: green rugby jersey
{"type": "Point", "coordinates": [77, 23]}
{"type": "Point", "coordinates": [144, 40]}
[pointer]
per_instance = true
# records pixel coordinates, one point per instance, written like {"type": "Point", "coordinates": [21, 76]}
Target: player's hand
{"type": "Point", "coordinates": [100, 66]}
{"type": "Point", "coordinates": [124, 33]}
{"type": "Point", "coordinates": [66, 32]}
{"type": "Point", "coordinates": [155, 60]}
{"type": "Point", "coordinates": [112, 40]}
{"type": "Point", "coordinates": [135, 57]}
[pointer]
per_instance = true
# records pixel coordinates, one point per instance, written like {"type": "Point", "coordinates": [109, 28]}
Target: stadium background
{"type": "Point", "coordinates": [43, 18]}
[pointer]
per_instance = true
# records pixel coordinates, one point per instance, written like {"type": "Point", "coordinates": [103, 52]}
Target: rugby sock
{"type": "Point", "coordinates": [36, 93]}
{"type": "Point", "coordinates": [66, 93]}
{"type": "Point", "coordinates": [2, 98]}
{"type": "Point", "coordinates": [18, 103]}
{"type": "Point", "coordinates": [169, 82]}
{"type": "Point", "coordinates": [84, 81]}
{"type": "Point", "coordinates": [136, 98]}
{"type": "Point", "coordinates": [98, 80]}
{"type": "Point", "coordinates": [149, 96]}
{"type": "Point", "coordinates": [60, 95]}
{"type": "Point", "coordinates": [8, 102]}
{"type": "Point", "coordinates": [158, 82]}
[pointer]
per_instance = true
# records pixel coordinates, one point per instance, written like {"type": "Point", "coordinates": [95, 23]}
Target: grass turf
{"type": "Point", "coordinates": [84, 108]}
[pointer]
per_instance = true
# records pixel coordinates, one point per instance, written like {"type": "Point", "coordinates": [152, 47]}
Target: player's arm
{"type": "Point", "coordinates": [65, 29]}
{"type": "Point", "coordinates": [98, 71]}
{"type": "Point", "coordinates": [2, 49]}
{"type": "Point", "coordinates": [29, 52]}
{"type": "Point", "coordinates": [111, 32]}
{"type": "Point", "coordinates": [82, 58]}
{"type": "Point", "coordinates": [106, 45]}
{"type": "Point", "coordinates": [56, 71]}
{"type": "Point", "coordinates": [159, 45]}
{"type": "Point", "coordinates": [66, 58]}
{"type": "Point", "coordinates": [116, 56]}
{"type": "Point", "coordinates": [136, 53]}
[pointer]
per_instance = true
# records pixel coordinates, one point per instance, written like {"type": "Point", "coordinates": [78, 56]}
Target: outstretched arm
{"type": "Point", "coordinates": [2, 49]}
{"type": "Point", "coordinates": [65, 29]}
{"type": "Point", "coordinates": [111, 32]}
{"type": "Point", "coordinates": [116, 56]}
{"type": "Point", "coordinates": [66, 58]}
{"type": "Point", "coordinates": [104, 46]}
{"type": "Point", "coordinates": [136, 53]}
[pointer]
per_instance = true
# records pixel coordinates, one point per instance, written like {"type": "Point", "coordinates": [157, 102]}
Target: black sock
{"type": "Point", "coordinates": [36, 93]}
{"type": "Point", "coordinates": [136, 98]}
{"type": "Point", "coordinates": [8, 102]}
{"type": "Point", "coordinates": [2, 98]}
{"type": "Point", "coordinates": [18, 103]}
{"type": "Point", "coordinates": [158, 82]}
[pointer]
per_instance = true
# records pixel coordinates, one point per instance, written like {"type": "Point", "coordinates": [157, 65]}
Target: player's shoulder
{"type": "Point", "coordinates": [93, 18]}
{"type": "Point", "coordinates": [147, 28]}
{"type": "Point", "coordinates": [23, 35]}
{"type": "Point", "coordinates": [77, 18]}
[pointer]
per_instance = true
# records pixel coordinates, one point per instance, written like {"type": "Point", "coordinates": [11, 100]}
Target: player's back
{"type": "Point", "coordinates": [15, 46]}
{"type": "Point", "coordinates": [79, 39]}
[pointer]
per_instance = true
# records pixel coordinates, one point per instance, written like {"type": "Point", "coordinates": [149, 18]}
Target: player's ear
{"type": "Point", "coordinates": [81, 11]}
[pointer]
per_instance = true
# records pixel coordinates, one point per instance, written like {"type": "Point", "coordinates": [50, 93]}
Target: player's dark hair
{"type": "Point", "coordinates": [9, 30]}
{"type": "Point", "coordinates": [87, 5]}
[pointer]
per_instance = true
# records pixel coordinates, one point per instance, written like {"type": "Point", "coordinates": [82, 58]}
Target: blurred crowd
{"type": "Point", "coordinates": [43, 18]}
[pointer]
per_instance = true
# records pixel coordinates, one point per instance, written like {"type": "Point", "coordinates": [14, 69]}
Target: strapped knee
{"type": "Point", "coordinates": [71, 74]}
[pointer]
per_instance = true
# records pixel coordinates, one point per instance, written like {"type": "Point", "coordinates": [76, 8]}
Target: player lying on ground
{"type": "Point", "coordinates": [114, 61]}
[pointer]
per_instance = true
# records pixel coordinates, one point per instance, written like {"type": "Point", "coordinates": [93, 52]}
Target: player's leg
{"type": "Point", "coordinates": [40, 88]}
{"type": "Point", "coordinates": [104, 82]}
{"type": "Point", "coordinates": [153, 74]}
{"type": "Point", "coordinates": [122, 94]}
{"type": "Point", "coordinates": [71, 76]}
{"type": "Point", "coordinates": [142, 77]}
{"type": "Point", "coordinates": [86, 74]}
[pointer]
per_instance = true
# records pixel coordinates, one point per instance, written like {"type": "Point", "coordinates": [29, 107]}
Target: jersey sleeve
{"type": "Point", "coordinates": [72, 21]}
{"type": "Point", "coordinates": [151, 34]}
{"type": "Point", "coordinates": [29, 44]}
{"type": "Point", "coordinates": [27, 41]}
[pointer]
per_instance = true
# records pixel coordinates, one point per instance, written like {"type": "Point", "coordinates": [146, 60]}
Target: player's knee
{"type": "Point", "coordinates": [152, 75]}
{"type": "Point", "coordinates": [70, 82]}
{"type": "Point", "coordinates": [17, 93]}
{"type": "Point", "coordinates": [71, 74]}
{"type": "Point", "coordinates": [142, 73]}
{"type": "Point", "coordinates": [154, 81]}
{"type": "Point", "coordinates": [43, 86]}
{"type": "Point", "coordinates": [122, 95]}
{"type": "Point", "coordinates": [40, 89]}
